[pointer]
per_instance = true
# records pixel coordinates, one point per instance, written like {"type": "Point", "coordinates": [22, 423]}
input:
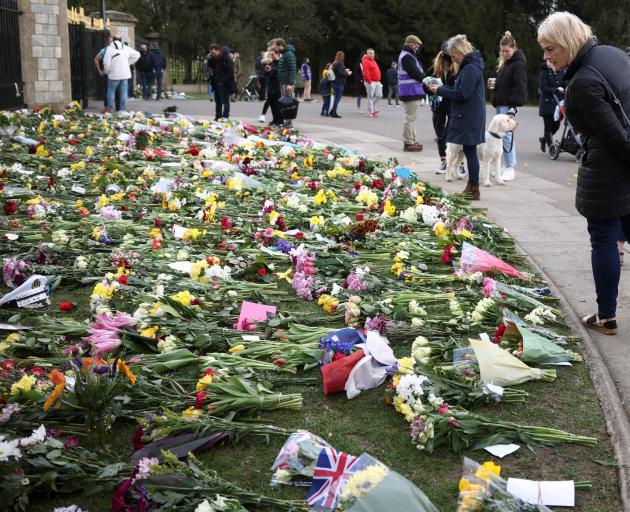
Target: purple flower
{"type": "Point", "coordinates": [355, 283]}
{"type": "Point", "coordinates": [303, 286]}
{"type": "Point", "coordinates": [71, 442]}
{"type": "Point", "coordinates": [378, 323]}
{"type": "Point", "coordinates": [284, 246]}
{"type": "Point", "coordinates": [7, 412]}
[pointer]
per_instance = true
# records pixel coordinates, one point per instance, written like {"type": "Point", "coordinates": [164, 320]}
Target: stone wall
{"type": "Point", "coordinates": [45, 52]}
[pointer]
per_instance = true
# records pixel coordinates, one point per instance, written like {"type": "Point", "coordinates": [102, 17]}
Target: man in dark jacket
{"type": "Point", "coordinates": [392, 84]}
{"type": "Point", "coordinates": [410, 90]}
{"type": "Point", "coordinates": [287, 71]}
{"type": "Point", "coordinates": [145, 66]}
{"type": "Point", "coordinates": [222, 67]}
{"type": "Point", "coordinates": [159, 65]}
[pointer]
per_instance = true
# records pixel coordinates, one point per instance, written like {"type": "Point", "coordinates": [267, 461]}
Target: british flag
{"type": "Point", "coordinates": [331, 473]}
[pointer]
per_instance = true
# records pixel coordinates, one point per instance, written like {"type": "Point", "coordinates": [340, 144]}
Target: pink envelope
{"type": "Point", "coordinates": [254, 312]}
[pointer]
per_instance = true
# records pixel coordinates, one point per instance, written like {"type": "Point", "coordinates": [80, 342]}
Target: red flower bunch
{"type": "Point", "coordinates": [10, 207]}
{"type": "Point", "coordinates": [498, 333]}
{"type": "Point", "coordinates": [226, 224]}
{"type": "Point", "coordinates": [378, 184]}
{"type": "Point", "coordinates": [194, 151]}
{"type": "Point", "coordinates": [123, 279]}
{"type": "Point", "coordinates": [66, 306]}
{"type": "Point", "coordinates": [262, 271]}
{"type": "Point", "coordinates": [447, 255]}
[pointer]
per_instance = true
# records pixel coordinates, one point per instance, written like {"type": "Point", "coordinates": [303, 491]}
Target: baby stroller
{"type": "Point", "coordinates": [250, 89]}
{"type": "Point", "coordinates": [570, 141]}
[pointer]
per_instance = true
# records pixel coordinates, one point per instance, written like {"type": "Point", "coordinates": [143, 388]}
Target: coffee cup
{"type": "Point", "coordinates": [491, 83]}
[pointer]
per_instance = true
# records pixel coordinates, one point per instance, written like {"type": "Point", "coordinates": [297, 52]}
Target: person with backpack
{"type": "Point", "coordinates": [118, 57]}
{"type": "Point", "coordinates": [328, 77]}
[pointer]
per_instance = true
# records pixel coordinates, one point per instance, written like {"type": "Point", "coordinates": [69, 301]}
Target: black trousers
{"type": "Point", "coordinates": [273, 98]}
{"type": "Point", "coordinates": [551, 127]}
{"type": "Point", "coordinates": [440, 120]}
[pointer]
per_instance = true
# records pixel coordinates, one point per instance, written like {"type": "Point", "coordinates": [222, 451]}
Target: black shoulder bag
{"type": "Point", "coordinates": [615, 100]}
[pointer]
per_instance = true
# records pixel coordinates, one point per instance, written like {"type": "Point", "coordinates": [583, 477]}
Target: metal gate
{"type": "Point", "coordinates": [84, 46]}
{"type": "Point", "coordinates": [10, 60]}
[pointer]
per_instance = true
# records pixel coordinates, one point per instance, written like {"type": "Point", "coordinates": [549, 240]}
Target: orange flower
{"type": "Point", "coordinates": [57, 377]}
{"type": "Point", "coordinates": [124, 369]}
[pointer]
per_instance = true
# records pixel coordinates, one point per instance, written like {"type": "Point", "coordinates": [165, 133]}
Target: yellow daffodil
{"type": "Point", "coordinates": [236, 349]}
{"type": "Point", "coordinates": [184, 297]}
{"type": "Point", "coordinates": [285, 275]}
{"type": "Point", "coordinates": [26, 383]}
{"type": "Point", "coordinates": [150, 332]}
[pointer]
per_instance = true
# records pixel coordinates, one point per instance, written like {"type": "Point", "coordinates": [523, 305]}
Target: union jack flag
{"type": "Point", "coordinates": [331, 473]}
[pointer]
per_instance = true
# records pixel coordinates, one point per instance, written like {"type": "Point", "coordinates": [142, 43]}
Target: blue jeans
{"type": "Point", "coordinates": [338, 90]}
{"type": "Point", "coordinates": [222, 102]}
{"type": "Point", "coordinates": [159, 75]}
{"type": "Point", "coordinates": [210, 89]}
{"type": "Point", "coordinates": [509, 149]}
{"type": "Point", "coordinates": [605, 261]}
{"type": "Point", "coordinates": [472, 162]}
{"type": "Point", "coordinates": [146, 78]}
{"type": "Point", "coordinates": [325, 104]}
{"type": "Point", "coordinates": [121, 86]}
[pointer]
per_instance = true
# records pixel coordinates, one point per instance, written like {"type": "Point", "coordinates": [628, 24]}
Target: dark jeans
{"type": "Point", "coordinates": [266, 105]}
{"type": "Point", "coordinates": [551, 127]}
{"type": "Point", "coordinates": [275, 108]}
{"type": "Point", "coordinates": [605, 261]}
{"type": "Point", "coordinates": [159, 75]}
{"type": "Point", "coordinates": [222, 101]}
{"type": "Point", "coordinates": [440, 119]}
{"type": "Point", "coordinates": [325, 104]}
{"type": "Point", "coordinates": [262, 89]}
{"type": "Point", "coordinates": [392, 90]}
{"type": "Point", "coordinates": [146, 78]}
{"type": "Point", "coordinates": [472, 162]}
{"type": "Point", "coordinates": [338, 90]}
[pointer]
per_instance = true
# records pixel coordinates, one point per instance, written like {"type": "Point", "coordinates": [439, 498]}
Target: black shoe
{"type": "Point", "coordinates": [543, 144]}
{"type": "Point", "coordinates": [335, 115]}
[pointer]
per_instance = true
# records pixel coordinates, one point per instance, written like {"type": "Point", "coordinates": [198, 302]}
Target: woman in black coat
{"type": "Point", "coordinates": [467, 121]}
{"type": "Point", "coordinates": [510, 91]}
{"type": "Point", "coordinates": [551, 87]}
{"type": "Point", "coordinates": [359, 84]}
{"type": "Point", "coordinates": [596, 75]}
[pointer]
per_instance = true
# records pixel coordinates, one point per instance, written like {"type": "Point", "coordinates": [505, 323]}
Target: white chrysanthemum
{"type": "Point", "coordinates": [38, 436]}
{"type": "Point", "coordinates": [409, 215]}
{"type": "Point", "coordinates": [9, 449]}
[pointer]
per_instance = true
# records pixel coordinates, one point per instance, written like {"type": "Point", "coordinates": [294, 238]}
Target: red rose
{"type": "Point", "coordinates": [359, 217]}
{"type": "Point", "coordinates": [446, 255]}
{"type": "Point", "coordinates": [299, 235]}
{"type": "Point", "coordinates": [66, 306]}
{"type": "Point", "coordinates": [262, 271]}
{"type": "Point", "coordinates": [209, 371]}
{"type": "Point", "coordinates": [10, 207]}
{"type": "Point", "coordinates": [132, 196]}
{"type": "Point", "coordinates": [158, 223]}
{"type": "Point", "coordinates": [199, 398]}
{"type": "Point", "coordinates": [194, 151]}
{"type": "Point", "coordinates": [279, 362]}
{"type": "Point", "coordinates": [498, 333]}
{"type": "Point", "coordinates": [377, 184]}
{"type": "Point", "coordinates": [313, 185]}
{"type": "Point", "coordinates": [226, 223]}
{"type": "Point", "coordinates": [38, 370]}
{"type": "Point", "coordinates": [123, 279]}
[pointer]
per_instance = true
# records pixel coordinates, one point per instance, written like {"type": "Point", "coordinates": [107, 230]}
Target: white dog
{"type": "Point", "coordinates": [489, 152]}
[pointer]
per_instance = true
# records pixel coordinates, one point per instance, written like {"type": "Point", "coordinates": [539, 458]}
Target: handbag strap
{"type": "Point", "coordinates": [612, 94]}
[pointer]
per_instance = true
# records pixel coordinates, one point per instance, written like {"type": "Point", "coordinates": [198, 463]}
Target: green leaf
{"type": "Point", "coordinates": [53, 454]}
{"type": "Point", "coordinates": [111, 470]}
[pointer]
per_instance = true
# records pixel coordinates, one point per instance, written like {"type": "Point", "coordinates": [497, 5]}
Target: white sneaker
{"type": "Point", "coordinates": [442, 168]}
{"type": "Point", "coordinates": [261, 119]}
{"type": "Point", "coordinates": [508, 174]}
{"type": "Point", "coordinates": [359, 111]}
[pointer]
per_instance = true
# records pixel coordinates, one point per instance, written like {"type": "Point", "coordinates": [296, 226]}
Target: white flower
{"type": "Point", "coordinates": [204, 506]}
{"type": "Point", "coordinates": [9, 449]}
{"type": "Point", "coordinates": [409, 215]}
{"type": "Point", "coordinates": [336, 289]}
{"type": "Point", "coordinates": [168, 344]}
{"type": "Point", "coordinates": [417, 322]}
{"type": "Point", "coordinates": [38, 436]}
{"type": "Point", "coordinates": [182, 255]}
{"type": "Point", "coordinates": [430, 214]}
{"type": "Point", "coordinates": [61, 237]}
{"type": "Point", "coordinates": [71, 508]}
{"type": "Point", "coordinates": [218, 272]}
{"type": "Point", "coordinates": [403, 255]}
{"type": "Point", "coordinates": [415, 309]}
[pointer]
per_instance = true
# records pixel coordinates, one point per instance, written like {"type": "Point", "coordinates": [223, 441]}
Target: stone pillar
{"type": "Point", "coordinates": [45, 52]}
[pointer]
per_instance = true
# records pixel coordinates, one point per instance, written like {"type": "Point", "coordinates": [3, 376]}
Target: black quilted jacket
{"type": "Point", "coordinates": [603, 186]}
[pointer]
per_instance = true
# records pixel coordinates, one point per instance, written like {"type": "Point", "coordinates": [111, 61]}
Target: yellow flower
{"type": "Point", "coordinates": [397, 268]}
{"type": "Point", "coordinates": [89, 151]}
{"type": "Point", "coordinates": [234, 183]}
{"type": "Point", "coordinates": [317, 220]}
{"type": "Point", "coordinates": [273, 216]}
{"type": "Point", "coordinates": [486, 469]}
{"type": "Point", "coordinates": [26, 383]}
{"type": "Point", "coordinates": [389, 208]}
{"type": "Point", "coordinates": [198, 271]}
{"type": "Point", "coordinates": [237, 348]}
{"type": "Point", "coordinates": [183, 297]}
{"type": "Point", "coordinates": [8, 341]}
{"type": "Point", "coordinates": [405, 364]}
{"type": "Point", "coordinates": [331, 195]}
{"type": "Point", "coordinates": [117, 197]}
{"type": "Point", "coordinates": [320, 198]}
{"type": "Point", "coordinates": [440, 230]}
{"type": "Point", "coordinates": [204, 382]}
{"type": "Point", "coordinates": [150, 332]}
{"type": "Point", "coordinates": [466, 233]}
{"type": "Point", "coordinates": [192, 413]}
{"type": "Point", "coordinates": [367, 197]}
{"type": "Point", "coordinates": [191, 234]}
{"type": "Point", "coordinates": [102, 201]}
{"type": "Point", "coordinates": [79, 204]}
{"type": "Point", "coordinates": [361, 482]}
{"type": "Point", "coordinates": [41, 127]}
{"type": "Point", "coordinates": [328, 303]}
{"type": "Point", "coordinates": [103, 290]}
{"type": "Point", "coordinates": [155, 233]}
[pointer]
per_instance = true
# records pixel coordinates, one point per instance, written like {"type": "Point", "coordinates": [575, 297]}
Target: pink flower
{"type": "Point", "coordinates": [104, 331]}
{"type": "Point", "coordinates": [489, 287]}
{"type": "Point", "coordinates": [443, 409]}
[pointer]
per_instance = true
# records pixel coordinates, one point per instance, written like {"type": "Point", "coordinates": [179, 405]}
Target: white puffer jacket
{"type": "Point", "coordinates": [118, 57]}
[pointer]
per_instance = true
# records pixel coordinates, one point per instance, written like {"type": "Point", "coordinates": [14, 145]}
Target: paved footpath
{"type": "Point", "coordinates": [536, 209]}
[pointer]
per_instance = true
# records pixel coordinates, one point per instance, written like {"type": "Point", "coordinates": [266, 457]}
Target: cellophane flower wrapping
{"type": "Point", "coordinates": [296, 461]}
{"type": "Point", "coordinates": [374, 487]}
{"type": "Point", "coordinates": [482, 488]}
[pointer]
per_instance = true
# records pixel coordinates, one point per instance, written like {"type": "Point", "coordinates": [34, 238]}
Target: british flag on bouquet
{"type": "Point", "coordinates": [331, 473]}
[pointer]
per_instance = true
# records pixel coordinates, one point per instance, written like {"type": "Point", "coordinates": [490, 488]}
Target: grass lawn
{"type": "Point", "coordinates": [367, 424]}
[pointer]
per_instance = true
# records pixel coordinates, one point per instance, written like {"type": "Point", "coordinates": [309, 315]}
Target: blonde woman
{"type": "Point", "coordinates": [467, 122]}
{"type": "Point", "coordinates": [510, 91]}
{"type": "Point", "coordinates": [446, 70]}
{"type": "Point", "coordinates": [597, 78]}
